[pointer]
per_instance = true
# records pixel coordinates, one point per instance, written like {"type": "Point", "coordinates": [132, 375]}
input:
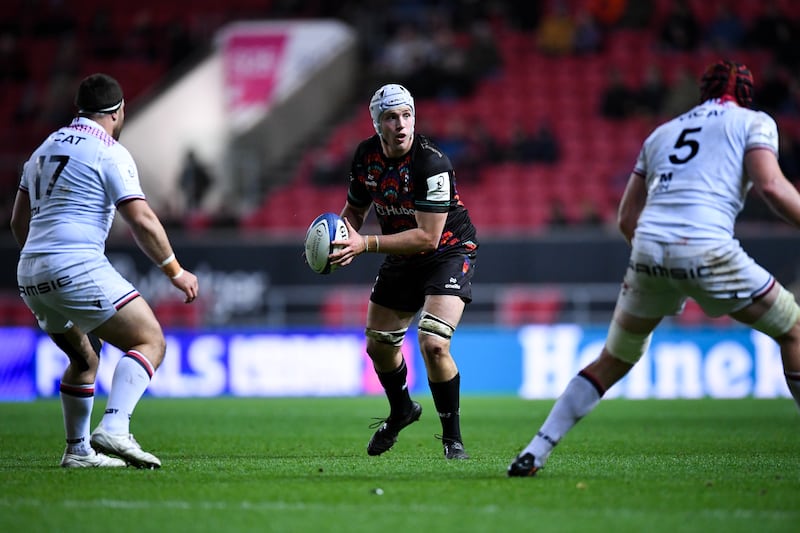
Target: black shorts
{"type": "Point", "coordinates": [403, 285]}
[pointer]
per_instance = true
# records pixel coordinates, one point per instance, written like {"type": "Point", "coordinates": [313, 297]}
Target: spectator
{"type": "Point", "coordinates": [447, 72]}
{"type": "Point", "coordinates": [682, 94]}
{"type": "Point", "coordinates": [329, 168]}
{"type": "Point", "coordinates": [726, 30]}
{"type": "Point", "coordinates": [482, 149]}
{"type": "Point", "coordinates": [520, 145]}
{"type": "Point", "coordinates": [53, 19]}
{"type": "Point", "coordinates": [539, 147]}
{"type": "Point", "coordinates": [12, 64]}
{"type": "Point", "coordinates": [680, 29]}
{"type": "Point", "coordinates": [792, 104]}
{"type": "Point", "coordinates": [195, 181]}
{"type": "Point", "coordinates": [55, 109]}
{"type": "Point", "coordinates": [525, 16]}
{"type": "Point", "coordinates": [454, 141]}
{"type": "Point", "coordinates": [67, 60]}
{"type": "Point", "coordinates": [484, 57]}
{"type": "Point", "coordinates": [775, 30]}
{"type": "Point", "coordinates": [771, 29]}
{"type": "Point", "coordinates": [180, 43]}
{"type": "Point", "coordinates": [546, 147]}
{"type": "Point", "coordinates": [406, 56]}
{"type": "Point", "coordinates": [404, 53]}
{"type": "Point", "coordinates": [618, 99]}
{"type": "Point", "coordinates": [773, 96]}
{"type": "Point", "coordinates": [141, 42]}
{"type": "Point", "coordinates": [28, 107]}
{"type": "Point", "coordinates": [556, 32]}
{"type": "Point", "coordinates": [653, 92]}
{"type": "Point", "coordinates": [104, 42]}
{"type": "Point", "coordinates": [589, 36]}
{"type": "Point", "coordinates": [637, 14]}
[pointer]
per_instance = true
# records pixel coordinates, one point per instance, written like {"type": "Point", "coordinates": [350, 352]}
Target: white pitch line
{"type": "Point", "coordinates": [214, 505]}
{"type": "Point", "coordinates": [262, 506]}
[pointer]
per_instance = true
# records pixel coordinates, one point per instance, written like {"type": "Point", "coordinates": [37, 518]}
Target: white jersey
{"type": "Point", "coordinates": [75, 180]}
{"type": "Point", "coordinates": [694, 169]}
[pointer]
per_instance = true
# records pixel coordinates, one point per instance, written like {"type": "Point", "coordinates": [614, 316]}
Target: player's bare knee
{"type": "Point", "coordinates": [157, 359]}
{"type": "Point", "coordinates": [154, 350]}
{"type": "Point", "coordinates": [433, 348]}
{"type": "Point", "coordinates": [782, 318]}
{"type": "Point", "coordinates": [381, 354]}
{"type": "Point", "coordinates": [626, 346]}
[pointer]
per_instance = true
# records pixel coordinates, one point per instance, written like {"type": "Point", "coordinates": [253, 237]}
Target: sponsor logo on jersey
{"type": "Point", "coordinates": [389, 210]}
{"type": "Point", "coordinates": [663, 181]}
{"type": "Point", "coordinates": [658, 271]}
{"type": "Point", "coordinates": [44, 287]}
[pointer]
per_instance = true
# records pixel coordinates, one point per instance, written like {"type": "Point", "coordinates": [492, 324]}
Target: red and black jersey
{"type": "Point", "coordinates": [423, 179]}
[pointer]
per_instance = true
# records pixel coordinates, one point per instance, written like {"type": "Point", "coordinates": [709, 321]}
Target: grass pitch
{"type": "Point", "coordinates": [296, 465]}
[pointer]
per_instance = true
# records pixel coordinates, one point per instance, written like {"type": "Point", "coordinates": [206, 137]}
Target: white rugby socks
{"type": "Point", "coordinates": [76, 406]}
{"type": "Point", "coordinates": [131, 378]}
{"type": "Point", "coordinates": [577, 400]}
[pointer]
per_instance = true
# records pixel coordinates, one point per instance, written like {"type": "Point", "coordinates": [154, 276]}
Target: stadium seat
{"type": "Point", "coordinates": [173, 312]}
{"type": "Point", "coordinates": [14, 312]}
{"type": "Point", "coordinates": [518, 306]}
{"type": "Point", "coordinates": [345, 306]}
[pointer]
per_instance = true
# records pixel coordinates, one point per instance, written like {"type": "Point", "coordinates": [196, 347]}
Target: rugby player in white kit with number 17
{"type": "Point", "coordinates": [678, 211]}
{"type": "Point", "coordinates": [69, 191]}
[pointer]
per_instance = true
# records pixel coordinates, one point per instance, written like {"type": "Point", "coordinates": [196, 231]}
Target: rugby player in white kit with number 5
{"type": "Point", "coordinates": [678, 211]}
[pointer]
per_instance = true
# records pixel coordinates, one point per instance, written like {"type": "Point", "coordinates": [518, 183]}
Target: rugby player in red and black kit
{"type": "Point", "coordinates": [430, 246]}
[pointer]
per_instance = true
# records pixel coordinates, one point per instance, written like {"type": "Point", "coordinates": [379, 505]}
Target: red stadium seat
{"type": "Point", "coordinates": [14, 312]}
{"type": "Point", "coordinates": [175, 313]}
{"type": "Point", "coordinates": [345, 307]}
{"type": "Point", "coordinates": [518, 306]}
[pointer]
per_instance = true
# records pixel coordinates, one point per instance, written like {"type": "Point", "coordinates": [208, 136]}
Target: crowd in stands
{"type": "Point", "coordinates": [488, 76]}
{"type": "Point", "coordinates": [651, 53]}
{"type": "Point", "coordinates": [650, 84]}
{"type": "Point", "coordinates": [48, 46]}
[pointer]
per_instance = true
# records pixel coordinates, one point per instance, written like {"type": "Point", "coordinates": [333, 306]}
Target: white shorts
{"type": "Point", "coordinates": [720, 277]}
{"type": "Point", "coordinates": [66, 289]}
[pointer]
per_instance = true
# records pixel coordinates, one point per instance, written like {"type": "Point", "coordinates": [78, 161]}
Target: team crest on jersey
{"type": "Point", "coordinates": [128, 173]}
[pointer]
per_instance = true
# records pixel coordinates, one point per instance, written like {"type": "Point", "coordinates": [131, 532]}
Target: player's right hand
{"type": "Point", "coordinates": [187, 282]}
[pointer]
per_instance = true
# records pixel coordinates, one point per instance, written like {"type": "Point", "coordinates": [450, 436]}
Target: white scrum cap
{"type": "Point", "coordinates": [388, 97]}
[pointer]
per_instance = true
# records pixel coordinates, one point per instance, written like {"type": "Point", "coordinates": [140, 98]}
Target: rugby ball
{"type": "Point", "coordinates": [326, 228]}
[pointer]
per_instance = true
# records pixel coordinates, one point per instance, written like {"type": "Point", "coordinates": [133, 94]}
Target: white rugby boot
{"type": "Point", "coordinates": [92, 460]}
{"type": "Point", "coordinates": [124, 446]}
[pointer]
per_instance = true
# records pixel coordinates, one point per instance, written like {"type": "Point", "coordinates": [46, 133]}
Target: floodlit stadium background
{"type": "Point", "coordinates": [270, 98]}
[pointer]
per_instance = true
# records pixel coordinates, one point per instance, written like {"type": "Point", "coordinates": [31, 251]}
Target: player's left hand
{"type": "Point", "coordinates": [345, 250]}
